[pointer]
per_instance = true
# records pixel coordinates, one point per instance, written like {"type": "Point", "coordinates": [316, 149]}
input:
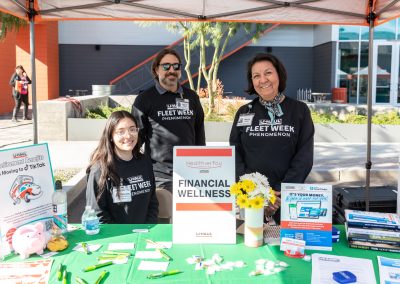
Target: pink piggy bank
{"type": "Point", "coordinates": [29, 239]}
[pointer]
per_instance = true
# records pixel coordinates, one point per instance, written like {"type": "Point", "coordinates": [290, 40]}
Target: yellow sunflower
{"type": "Point", "coordinates": [272, 196]}
{"type": "Point", "coordinates": [248, 185]}
{"type": "Point", "coordinates": [242, 200]}
{"type": "Point", "coordinates": [257, 202]}
{"type": "Point", "coordinates": [235, 189]}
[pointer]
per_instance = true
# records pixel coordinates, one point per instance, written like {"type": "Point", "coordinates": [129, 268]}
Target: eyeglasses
{"type": "Point", "coordinates": [175, 66]}
{"type": "Point", "coordinates": [131, 130]}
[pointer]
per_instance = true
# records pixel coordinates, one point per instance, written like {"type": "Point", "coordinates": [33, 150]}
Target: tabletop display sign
{"type": "Point", "coordinates": [26, 189]}
{"type": "Point", "coordinates": [203, 208]}
{"type": "Point", "coordinates": [306, 214]}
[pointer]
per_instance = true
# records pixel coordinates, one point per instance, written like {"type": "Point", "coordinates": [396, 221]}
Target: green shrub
{"type": "Point", "coordinates": [103, 111]}
{"type": "Point", "coordinates": [324, 118]}
{"type": "Point", "coordinates": [386, 118]}
{"type": "Point", "coordinates": [382, 118]}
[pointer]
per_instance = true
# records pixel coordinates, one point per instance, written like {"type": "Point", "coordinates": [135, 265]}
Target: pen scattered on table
{"type": "Point", "coordinates": [80, 280]}
{"type": "Point", "coordinates": [163, 274]}
{"type": "Point", "coordinates": [64, 279]}
{"type": "Point", "coordinates": [164, 254]}
{"type": "Point", "coordinates": [95, 266]}
{"type": "Point", "coordinates": [101, 277]}
{"type": "Point", "coordinates": [89, 247]}
{"type": "Point", "coordinates": [153, 243]}
{"type": "Point", "coordinates": [59, 272]}
{"type": "Point", "coordinates": [85, 247]}
{"type": "Point", "coordinates": [159, 244]}
{"type": "Point", "coordinates": [116, 257]}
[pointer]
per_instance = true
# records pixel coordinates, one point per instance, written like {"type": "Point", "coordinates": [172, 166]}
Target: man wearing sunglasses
{"type": "Point", "coordinates": [169, 115]}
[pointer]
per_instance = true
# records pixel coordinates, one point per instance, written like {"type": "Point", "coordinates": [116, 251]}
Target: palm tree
{"type": "Point", "coordinates": [9, 23]}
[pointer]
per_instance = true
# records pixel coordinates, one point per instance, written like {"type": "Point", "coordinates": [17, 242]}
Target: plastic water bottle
{"type": "Point", "coordinates": [92, 224]}
{"type": "Point", "coordinates": [84, 215]}
{"type": "Point", "coordinates": [59, 200]}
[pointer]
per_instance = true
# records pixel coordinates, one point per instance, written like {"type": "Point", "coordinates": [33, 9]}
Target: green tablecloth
{"type": "Point", "coordinates": [298, 272]}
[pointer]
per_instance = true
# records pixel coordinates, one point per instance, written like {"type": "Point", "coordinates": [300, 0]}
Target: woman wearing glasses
{"type": "Point", "coordinates": [121, 185]}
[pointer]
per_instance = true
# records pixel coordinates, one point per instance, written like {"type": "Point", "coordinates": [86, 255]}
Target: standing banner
{"type": "Point", "coordinates": [306, 214]}
{"type": "Point", "coordinates": [203, 208]}
{"type": "Point", "coordinates": [26, 180]}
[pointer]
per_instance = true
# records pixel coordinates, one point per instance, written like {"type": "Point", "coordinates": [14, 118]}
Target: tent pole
{"type": "Point", "coordinates": [371, 20]}
{"type": "Point", "coordinates": [33, 66]}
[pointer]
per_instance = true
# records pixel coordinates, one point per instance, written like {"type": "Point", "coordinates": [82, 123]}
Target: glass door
{"type": "Point", "coordinates": [385, 72]}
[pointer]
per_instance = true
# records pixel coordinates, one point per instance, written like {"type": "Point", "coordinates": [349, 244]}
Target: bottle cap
{"type": "Point", "coordinates": [58, 184]}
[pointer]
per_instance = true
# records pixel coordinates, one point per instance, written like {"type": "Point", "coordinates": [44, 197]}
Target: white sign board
{"type": "Point", "coordinates": [26, 181]}
{"type": "Point", "coordinates": [203, 209]}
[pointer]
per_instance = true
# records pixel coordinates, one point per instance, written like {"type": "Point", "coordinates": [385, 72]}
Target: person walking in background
{"type": "Point", "coordinates": [169, 115]}
{"type": "Point", "coordinates": [20, 81]}
{"type": "Point", "coordinates": [273, 134]}
{"type": "Point", "coordinates": [121, 186]}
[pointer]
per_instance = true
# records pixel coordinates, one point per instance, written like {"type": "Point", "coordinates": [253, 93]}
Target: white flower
{"type": "Point", "coordinates": [262, 185]}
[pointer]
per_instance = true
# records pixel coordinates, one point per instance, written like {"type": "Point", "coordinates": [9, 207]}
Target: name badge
{"type": "Point", "coordinates": [182, 103]}
{"type": "Point", "coordinates": [245, 119]}
{"type": "Point", "coordinates": [124, 195]}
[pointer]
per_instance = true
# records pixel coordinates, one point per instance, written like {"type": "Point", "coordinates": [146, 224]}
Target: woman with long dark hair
{"type": "Point", "coordinates": [121, 185]}
{"type": "Point", "coordinates": [20, 81]}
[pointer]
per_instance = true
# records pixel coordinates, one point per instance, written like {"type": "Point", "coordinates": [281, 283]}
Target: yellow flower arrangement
{"type": "Point", "coordinates": [253, 191]}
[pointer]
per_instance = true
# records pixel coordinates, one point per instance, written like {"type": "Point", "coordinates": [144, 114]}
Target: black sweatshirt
{"type": "Point", "coordinates": [139, 206]}
{"type": "Point", "coordinates": [165, 124]}
{"type": "Point", "coordinates": [282, 152]}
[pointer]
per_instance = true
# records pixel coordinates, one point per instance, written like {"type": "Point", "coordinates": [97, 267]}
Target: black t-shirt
{"type": "Point", "coordinates": [168, 120]}
{"type": "Point", "coordinates": [133, 201]}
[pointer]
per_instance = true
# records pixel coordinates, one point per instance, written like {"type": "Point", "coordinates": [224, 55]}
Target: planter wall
{"type": "Point", "coordinates": [80, 129]}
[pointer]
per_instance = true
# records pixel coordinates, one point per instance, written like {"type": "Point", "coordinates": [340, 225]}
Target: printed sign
{"type": "Point", "coordinates": [203, 208]}
{"type": "Point", "coordinates": [306, 214]}
{"type": "Point", "coordinates": [27, 187]}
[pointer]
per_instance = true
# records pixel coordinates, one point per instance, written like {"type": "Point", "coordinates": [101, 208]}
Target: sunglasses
{"type": "Point", "coordinates": [175, 66]}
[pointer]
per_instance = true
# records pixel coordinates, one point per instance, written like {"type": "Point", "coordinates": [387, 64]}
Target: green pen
{"type": "Point", "coordinates": [85, 247]}
{"type": "Point", "coordinates": [64, 279]}
{"type": "Point", "coordinates": [163, 274]}
{"type": "Point", "coordinates": [80, 280]}
{"type": "Point", "coordinates": [117, 253]}
{"type": "Point", "coordinates": [101, 277]}
{"type": "Point", "coordinates": [59, 272]}
{"type": "Point", "coordinates": [93, 267]}
{"type": "Point", "coordinates": [164, 254]}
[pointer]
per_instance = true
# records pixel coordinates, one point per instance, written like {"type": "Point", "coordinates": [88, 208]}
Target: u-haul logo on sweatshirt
{"type": "Point", "coordinates": [268, 122]}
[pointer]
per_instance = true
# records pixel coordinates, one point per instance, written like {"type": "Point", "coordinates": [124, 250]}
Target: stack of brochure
{"type": "Point", "coordinates": [373, 230]}
{"type": "Point", "coordinates": [335, 235]}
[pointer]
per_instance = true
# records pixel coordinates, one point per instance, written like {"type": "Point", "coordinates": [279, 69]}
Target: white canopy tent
{"type": "Point", "coordinates": [343, 12]}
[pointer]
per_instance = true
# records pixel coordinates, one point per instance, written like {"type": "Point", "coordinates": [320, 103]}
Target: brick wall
{"type": "Point", "coordinates": [7, 67]}
{"type": "Point", "coordinates": [15, 50]}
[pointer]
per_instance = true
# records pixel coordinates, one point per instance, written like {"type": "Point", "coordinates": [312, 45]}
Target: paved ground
{"type": "Point", "coordinates": [335, 163]}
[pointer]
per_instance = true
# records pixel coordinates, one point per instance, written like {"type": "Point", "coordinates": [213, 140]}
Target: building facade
{"type": "Point", "coordinates": [317, 58]}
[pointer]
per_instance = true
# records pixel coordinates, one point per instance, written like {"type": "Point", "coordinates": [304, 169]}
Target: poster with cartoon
{"type": "Point", "coordinates": [26, 180]}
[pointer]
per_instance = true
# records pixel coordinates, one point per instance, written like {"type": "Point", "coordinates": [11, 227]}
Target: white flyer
{"type": "Point", "coordinates": [324, 265]}
{"type": "Point", "coordinates": [389, 270]}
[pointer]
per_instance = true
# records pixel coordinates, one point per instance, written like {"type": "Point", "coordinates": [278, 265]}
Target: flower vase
{"type": "Point", "coordinates": [253, 227]}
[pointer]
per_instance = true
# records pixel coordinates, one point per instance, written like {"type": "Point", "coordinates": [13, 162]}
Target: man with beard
{"type": "Point", "coordinates": [169, 115]}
